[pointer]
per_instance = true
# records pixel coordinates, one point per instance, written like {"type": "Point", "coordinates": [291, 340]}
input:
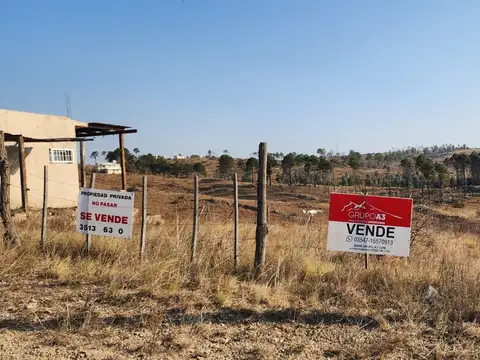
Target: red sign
{"type": "Point", "coordinates": [375, 210]}
{"type": "Point", "coordinates": [369, 224]}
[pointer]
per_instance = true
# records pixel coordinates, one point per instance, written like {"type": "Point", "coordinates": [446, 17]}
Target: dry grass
{"type": "Point", "coordinates": [299, 271]}
{"type": "Point", "coordinates": [303, 283]}
{"type": "Point", "coordinates": [467, 212]}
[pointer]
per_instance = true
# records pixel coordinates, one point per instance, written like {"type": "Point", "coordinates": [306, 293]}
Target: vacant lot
{"type": "Point", "coordinates": [311, 303]}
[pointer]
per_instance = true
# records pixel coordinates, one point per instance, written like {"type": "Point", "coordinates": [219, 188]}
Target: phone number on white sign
{"type": "Point", "coordinates": [113, 218]}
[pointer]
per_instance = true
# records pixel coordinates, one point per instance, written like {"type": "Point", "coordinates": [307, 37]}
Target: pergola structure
{"type": "Point", "coordinates": [83, 133]}
{"type": "Point", "coordinates": [102, 129]}
{"type": "Point", "coordinates": [21, 140]}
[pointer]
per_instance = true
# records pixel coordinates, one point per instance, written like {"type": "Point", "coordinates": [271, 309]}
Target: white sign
{"type": "Point", "coordinates": [369, 224]}
{"type": "Point", "coordinates": [105, 212]}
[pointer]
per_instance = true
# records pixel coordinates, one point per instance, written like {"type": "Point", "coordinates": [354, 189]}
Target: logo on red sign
{"type": "Point", "coordinates": [370, 209]}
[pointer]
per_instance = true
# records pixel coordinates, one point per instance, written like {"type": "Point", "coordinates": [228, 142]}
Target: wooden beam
{"type": "Point", "coordinates": [107, 126]}
{"type": "Point", "coordinates": [55, 140]}
{"type": "Point", "coordinates": [23, 173]}
{"type": "Point", "coordinates": [82, 164]}
{"type": "Point", "coordinates": [34, 140]}
{"type": "Point", "coordinates": [99, 132]}
{"type": "Point", "coordinates": [122, 162]}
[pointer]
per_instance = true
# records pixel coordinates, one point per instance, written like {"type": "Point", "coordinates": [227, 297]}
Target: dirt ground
{"type": "Point", "coordinates": [169, 197]}
{"type": "Point", "coordinates": [45, 320]}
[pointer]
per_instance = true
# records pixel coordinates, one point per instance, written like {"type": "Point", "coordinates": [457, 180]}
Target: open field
{"type": "Point", "coordinates": [311, 303]}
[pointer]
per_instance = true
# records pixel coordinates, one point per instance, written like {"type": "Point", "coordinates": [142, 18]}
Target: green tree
{"type": "Point", "coordinates": [288, 163]}
{"type": "Point", "coordinates": [136, 151]}
{"type": "Point", "coordinates": [378, 158]}
{"type": "Point", "coordinates": [199, 168]}
{"type": "Point", "coordinates": [321, 152]}
{"type": "Point", "coordinates": [94, 156]}
{"type": "Point", "coordinates": [252, 163]}
{"type": "Point", "coordinates": [408, 172]}
{"type": "Point", "coordinates": [161, 166]}
{"type": "Point", "coordinates": [308, 168]}
{"type": "Point", "coordinates": [354, 159]}
{"type": "Point", "coordinates": [427, 169]}
{"type": "Point", "coordinates": [475, 167]}
{"type": "Point", "coordinates": [115, 155]}
{"type": "Point", "coordinates": [186, 168]}
{"type": "Point", "coordinates": [460, 163]}
{"type": "Point", "coordinates": [442, 173]}
{"type": "Point", "coordinates": [176, 169]}
{"type": "Point", "coordinates": [324, 166]}
{"type": "Point", "coordinates": [271, 163]}
{"type": "Point", "coordinates": [225, 165]}
{"type": "Point", "coordinates": [145, 162]}
{"type": "Point", "coordinates": [250, 166]}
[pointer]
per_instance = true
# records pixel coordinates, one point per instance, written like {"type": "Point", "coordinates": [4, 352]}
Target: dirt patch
{"type": "Point", "coordinates": [48, 320]}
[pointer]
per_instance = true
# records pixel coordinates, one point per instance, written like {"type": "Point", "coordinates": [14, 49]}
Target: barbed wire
{"type": "Point", "coordinates": [40, 193]}
{"type": "Point", "coordinates": [54, 181]}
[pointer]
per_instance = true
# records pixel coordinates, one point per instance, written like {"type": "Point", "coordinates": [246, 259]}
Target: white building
{"type": "Point", "coordinates": [179, 157]}
{"type": "Point", "coordinates": [109, 168]}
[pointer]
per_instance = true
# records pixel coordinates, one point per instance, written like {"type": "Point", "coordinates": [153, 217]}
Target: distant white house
{"type": "Point", "coordinates": [109, 168]}
{"type": "Point", "coordinates": [179, 157]}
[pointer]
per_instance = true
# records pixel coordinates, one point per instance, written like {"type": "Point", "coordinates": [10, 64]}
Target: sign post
{"type": "Point", "coordinates": [369, 224]}
{"type": "Point", "coordinates": [105, 213]}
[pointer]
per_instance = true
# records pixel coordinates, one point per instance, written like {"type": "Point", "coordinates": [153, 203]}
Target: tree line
{"type": "Point", "coordinates": [152, 164]}
{"type": "Point", "coordinates": [407, 168]}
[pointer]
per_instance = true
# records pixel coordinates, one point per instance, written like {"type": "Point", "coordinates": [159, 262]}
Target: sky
{"type": "Point", "coordinates": [199, 75]}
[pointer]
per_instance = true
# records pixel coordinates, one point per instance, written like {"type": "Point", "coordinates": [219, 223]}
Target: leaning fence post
{"type": "Point", "coordinates": [43, 238]}
{"type": "Point", "coordinates": [235, 210]}
{"type": "Point", "coordinates": [10, 236]}
{"type": "Point", "coordinates": [144, 218]}
{"type": "Point", "coordinates": [262, 223]}
{"type": "Point", "coordinates": [88, 237]}
{"type": "Point", "coordinates": [195, 216]}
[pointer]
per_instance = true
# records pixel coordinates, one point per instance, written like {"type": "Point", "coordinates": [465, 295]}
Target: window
{"type": "Point", "coordinates": [61, 156]}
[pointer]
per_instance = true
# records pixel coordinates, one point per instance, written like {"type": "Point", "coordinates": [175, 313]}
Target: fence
{"type": "Point", "coordinates": [257, 230]}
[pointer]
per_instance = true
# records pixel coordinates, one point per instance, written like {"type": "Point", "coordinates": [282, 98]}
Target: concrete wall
{"type": "Point", "coordinates": [63, 182]}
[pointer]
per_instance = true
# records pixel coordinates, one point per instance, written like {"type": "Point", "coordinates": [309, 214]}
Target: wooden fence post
{"type": "Point", "coordinates": [83, 179]}
{"type": "Point", "coordinates": [23, 173]}
{"type": "Point", "coordinates": [235, 230]}
{"type": "Point", "coordinates": [10, 236]}
{"type": "Point", "coordinates": [195, 216]}
{"type": "Point", "coordinates": [261, 234]}
{"type": "Point", "coordinates": [88, 237]}
{"type": "Point", "coordinates": [43, 239]}
{"type": "Point", "coordinates": [144, 218]}
{"type": "Point", "coordinates": [122, 162]}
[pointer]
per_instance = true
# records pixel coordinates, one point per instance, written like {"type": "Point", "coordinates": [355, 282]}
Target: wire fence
{"type": "Point", "coordinates": [54, 181]}
{"type": "Point", "coordinates": [227, 223]}
{"type": "Point", "coordinates": [40, 194]}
